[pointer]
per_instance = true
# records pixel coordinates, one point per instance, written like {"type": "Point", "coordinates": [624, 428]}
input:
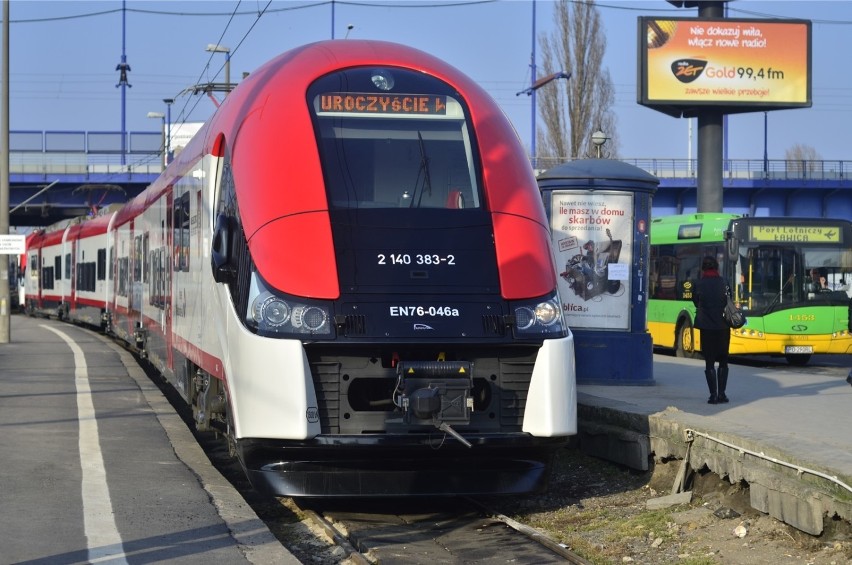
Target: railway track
{"type": "Point", "coordinates": [410, 531]}
{"type": "Point", "coordinates": [415, 531]}
{"type": "Point", "coordinates": [426, 532]}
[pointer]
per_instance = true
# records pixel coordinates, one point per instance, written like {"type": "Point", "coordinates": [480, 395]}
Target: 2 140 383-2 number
{"type": "Point", "coordinates": [416, 259]}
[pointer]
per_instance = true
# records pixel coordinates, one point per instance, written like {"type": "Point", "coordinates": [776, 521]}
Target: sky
{"type": "Point", "coordinates": [63, 57]}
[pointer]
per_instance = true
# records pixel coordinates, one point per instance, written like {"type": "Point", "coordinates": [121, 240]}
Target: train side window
{"type": "Point", "coordinates": [147, 255]}
{"type": "Point", "coordinates": [47, 278]}
{"type": "Point", "coordinates": [180, 213]}
{"type": "Point", "coordinates": [123, 275]}
{"type": "Point", "coordinates": [138, 259]}
{"type": "Point", "coordinates": [57, 268]}
{"type": "Point", "coordinates": [101, 264]}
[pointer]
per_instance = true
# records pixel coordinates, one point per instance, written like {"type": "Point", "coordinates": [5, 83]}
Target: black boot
{"type": "Point", "coordinates": [711, 384]}
{"type": "Point", "coordinates": [723, 382]}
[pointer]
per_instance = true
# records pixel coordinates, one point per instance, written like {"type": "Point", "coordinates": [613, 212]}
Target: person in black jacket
{"type": "Point", "coordinates": [710, 297]}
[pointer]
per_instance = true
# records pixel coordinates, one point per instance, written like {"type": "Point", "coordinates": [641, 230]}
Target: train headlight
{"type": "Point", "coordinates": [382, 79]}
{"type": "Point", "coordinates": [524, 317]}
{"type": "Point", "coordinates": [311, 318]}
{"type": "Point", "coordinates": [272, 311]}
{"type": "Point", "coordinates": [547, 313]}
{"type": "Point", "coordinates": [541, 317]}
{"type": "Point", "coordinates": [276, 314]}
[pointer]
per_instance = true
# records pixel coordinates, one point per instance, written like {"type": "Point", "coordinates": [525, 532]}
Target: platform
{"type": "Point", "coordinates": [97, 467]}
{"type": "Point", "coordinates": [787, 431]}
{"type": "Point", "coordinates": [145, 488]}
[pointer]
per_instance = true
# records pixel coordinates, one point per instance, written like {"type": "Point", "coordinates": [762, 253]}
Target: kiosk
{"type": "Point", "coordinates": [599, 212]}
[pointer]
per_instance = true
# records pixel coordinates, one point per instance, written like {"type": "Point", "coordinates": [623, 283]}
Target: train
{"type": "Point", "coordinates": [347, 274]}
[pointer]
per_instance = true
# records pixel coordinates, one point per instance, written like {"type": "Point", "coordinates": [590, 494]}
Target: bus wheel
{"type": "Point", "coordinates": [798, 359]}
{"type": "Point", "coordinates": [684, 340]}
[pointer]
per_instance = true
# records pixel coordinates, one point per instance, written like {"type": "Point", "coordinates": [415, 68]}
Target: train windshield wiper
{"type": "Point", "coordinates": [423, 170]}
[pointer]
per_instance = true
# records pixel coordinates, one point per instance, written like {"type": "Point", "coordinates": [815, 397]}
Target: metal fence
{"type": "Point", "coordinates": [754, 169]}
{"type": "Point", "coordinates": [87, 152]}
{"type": "Point", "coordinates": [84, 152]}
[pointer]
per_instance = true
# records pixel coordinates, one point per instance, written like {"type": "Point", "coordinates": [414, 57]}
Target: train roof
{"type": "Point", "coordinates": [271, 101]}
{"type": "Point", "coordinates": [265, 127]}
{"type": "Point", "coordinates": [88, 228]}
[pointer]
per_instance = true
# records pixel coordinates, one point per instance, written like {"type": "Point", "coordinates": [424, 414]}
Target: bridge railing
{"type": "Point", "coordinates": [772, 169]}
{"type": "Point", "coordinates": [102, 152]}
{"type": "Point", "coordinates": [83, 152]}
{"type": "Point", "coordinates": [81, 164]}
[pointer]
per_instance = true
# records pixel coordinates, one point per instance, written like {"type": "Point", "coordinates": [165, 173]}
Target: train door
{"type": "Point", "coordinates": [71, 271]}
{"type": "Point", "coordinates": [123, 247]}
{"type": "Point", "coordinates": [167, 266]}
{"type": "Point", "coordinates": [111, 283]}
{"type": "Point", "coordinates": [137, 276]}
{"type": "Point", "coordinates": [31, 272]}
{"type": "Point", "coordinates": [112, 274]}
{"type": "Point", "coordinates": [22, 280]}
{"type": "Point", "coordinates": [63, 278]}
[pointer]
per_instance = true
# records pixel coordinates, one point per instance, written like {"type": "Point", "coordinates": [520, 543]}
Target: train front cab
{"type": "Point", "coordinates": [422, 370]}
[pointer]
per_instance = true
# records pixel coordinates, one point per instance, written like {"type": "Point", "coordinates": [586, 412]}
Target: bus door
{"type": "Point", "coordinates": [771, 275]}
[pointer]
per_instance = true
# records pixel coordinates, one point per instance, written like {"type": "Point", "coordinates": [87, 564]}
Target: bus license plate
{"type": "Point", "coordinates": [799, 349]}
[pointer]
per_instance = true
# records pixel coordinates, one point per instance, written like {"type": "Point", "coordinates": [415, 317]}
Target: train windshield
{"type": "Point", "coordinates": [399, 142]}
{"type": "Point", "coordinates": [774, 277]}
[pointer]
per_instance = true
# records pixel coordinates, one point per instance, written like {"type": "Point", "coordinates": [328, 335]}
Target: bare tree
{"type": "Point", "coordinates": [572, 110]}
{"type": "Point", "coordinates": [802, 160]}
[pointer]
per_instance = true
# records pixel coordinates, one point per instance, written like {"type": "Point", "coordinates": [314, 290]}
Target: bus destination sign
{"type": "Point", "coordinates": [366, 103]}
{"type": "Point", "coordinates": [799, 234]}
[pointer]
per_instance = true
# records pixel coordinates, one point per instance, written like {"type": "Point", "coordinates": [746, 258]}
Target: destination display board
{"type": "Point", "coordinates": [799, 234]}
{"type": "Point", "coordinates": [740, 65]}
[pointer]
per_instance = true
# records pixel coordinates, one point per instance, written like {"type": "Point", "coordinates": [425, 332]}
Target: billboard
{"type": "Point", "coordinates": [592, 234]}
{"type": "Point", "coordinates": [737, 65]}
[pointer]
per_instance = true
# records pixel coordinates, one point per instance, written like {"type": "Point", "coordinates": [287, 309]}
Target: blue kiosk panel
{"type": "Point", "coordinates": [599, 213]}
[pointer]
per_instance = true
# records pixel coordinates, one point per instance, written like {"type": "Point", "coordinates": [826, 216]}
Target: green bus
{"type": "Point", "coordinates": [791, 276]}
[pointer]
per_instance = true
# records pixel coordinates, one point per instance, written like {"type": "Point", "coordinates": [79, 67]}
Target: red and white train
{"type": "Point", "coordinates": [348, 273]}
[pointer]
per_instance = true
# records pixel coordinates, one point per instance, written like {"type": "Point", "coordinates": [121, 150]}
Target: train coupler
{"type": "Point", "coordinates": [436, 393]}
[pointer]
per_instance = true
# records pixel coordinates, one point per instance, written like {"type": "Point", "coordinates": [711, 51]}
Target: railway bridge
{"type": "Point", "coordinates": [58, 175]}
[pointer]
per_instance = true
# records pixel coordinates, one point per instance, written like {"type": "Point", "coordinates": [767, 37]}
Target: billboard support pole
{"type": "Point", "coordinates": [710, 139]}
{"type": "Point", "coordinates": [709, 191]}
{"type": "Point", "coordinates": [5, 321]}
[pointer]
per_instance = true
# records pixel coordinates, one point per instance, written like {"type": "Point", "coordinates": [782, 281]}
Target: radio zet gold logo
{"type": "Point", "coordinates": [687, 70]}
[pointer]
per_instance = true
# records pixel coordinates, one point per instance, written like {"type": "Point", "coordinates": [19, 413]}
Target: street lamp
{"type": "Point", "coordinates": [161, 116]}
{"type": "Point", "coordinates": [169, 102]}
{"type": "Point", "coordinates": [531, 92]}
{"type": "Point", "coordinates": [599, 138]}
{"type": "Point", "coordinates": [216, 48]}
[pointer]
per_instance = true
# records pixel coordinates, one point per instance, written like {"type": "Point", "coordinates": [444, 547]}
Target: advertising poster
{"type": "Point", "coordinates": [593, 242]}
{"type": "Point", "coordinates": [729, 62]}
